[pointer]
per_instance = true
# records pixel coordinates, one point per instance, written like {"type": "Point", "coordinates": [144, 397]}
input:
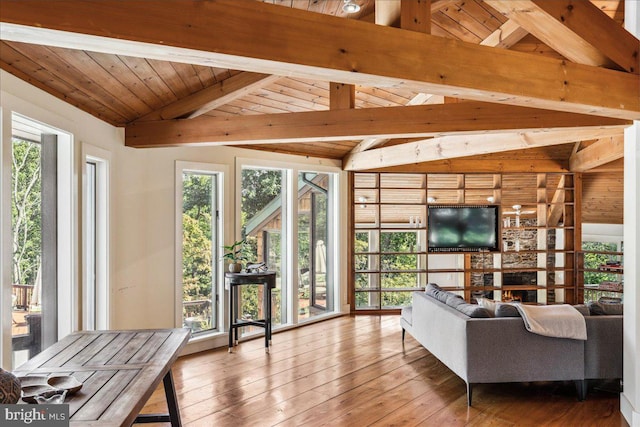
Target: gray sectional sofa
{"type": "Point", "coordinates": [484, 349]}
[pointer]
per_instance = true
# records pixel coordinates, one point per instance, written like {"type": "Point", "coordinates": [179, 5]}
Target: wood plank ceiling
{"type": "Point", "coordinates": [125, 90]}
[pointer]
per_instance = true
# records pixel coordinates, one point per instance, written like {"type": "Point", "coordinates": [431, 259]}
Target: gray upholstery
{"type": "Point", "coordinates": [500, 349]}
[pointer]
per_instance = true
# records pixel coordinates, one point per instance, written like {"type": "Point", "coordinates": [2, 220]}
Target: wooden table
{"type": "Point", "coordinates": [119, 371]}
{"type": "Point", "coordinates": [266, 279]}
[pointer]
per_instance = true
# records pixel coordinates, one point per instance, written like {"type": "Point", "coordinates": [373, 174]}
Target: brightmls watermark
{"type": "Point", "coordinates": [34, 415]}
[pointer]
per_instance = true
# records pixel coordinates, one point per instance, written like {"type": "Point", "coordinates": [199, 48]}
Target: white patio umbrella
{"type": "Point", "coordinates": [321, 257]}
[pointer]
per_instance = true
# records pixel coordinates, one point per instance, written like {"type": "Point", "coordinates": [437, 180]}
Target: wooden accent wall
{"type": "Point", "coordinates": [603, 197]}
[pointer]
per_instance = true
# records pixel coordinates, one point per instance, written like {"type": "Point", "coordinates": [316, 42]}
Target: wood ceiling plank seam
{"type": "Point", "coordinates": [221, 74]}
{"type": "Point", "coordinates": [437, 30]}
{"type": "Point", "coordinates": [220, 113]}
{"type": "Point", "coordinates": [491, 10]}
{"type": "Point", "coordinates": [205, 75]}
{"type": "Point", "coordinates": [315, 91]}
{"type": "Point", "coordinates": [483, 16]}
{"type": "Point", "coordinates": [189, 76]}
{"type": "Point", "coordinates": [286, 90]}
{"type": "Point", "coordinates": [381, 97]}
{"type": "Point", "coordinates": [371, 101]}
{"type": "Point", "coordinates": [109, 83]}
{"type": "Point", "coordinates": [274, 103]}
{"type": "Point", "coordinates": [114, 66]}
{"type": "Point", "coordinates": [66, 95]}
{"type": "Point", "coordinates": [255, 109]}
{"type": "Point", "coordinates": [60, 69]}
{"type": "Point", "coordinates": [253, 106]}
{"type": "Point", "coordinates": [275, 95]}
{"type": "Point", "coordinates": [283, 90]}
{"type": "Point", "coordinates": [168, 74]}
{"type": "Point", "coordinates": [455, 28]}
{"type": "Point", "coordinates": [478, 29]}
{"type": "Point", "coordinates": [149, 76]}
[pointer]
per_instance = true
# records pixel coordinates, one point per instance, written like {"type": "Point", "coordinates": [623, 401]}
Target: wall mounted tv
{"type": "Point", "coordinates": [457, 228]}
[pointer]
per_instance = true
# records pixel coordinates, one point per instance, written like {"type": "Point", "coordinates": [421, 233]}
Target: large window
{"type": "Point", "coordinates": [42, 299]}
{"type": "Point", "coordinates": [289, 220]}
{"type": "Point", "coordinates": [315, 289]}
{"type": "Point", "coordinates": [264, 219]}
{"type": "Point", "coordinates": [200, 201]}
{"type": "Point", "coordinates": [95, 252]}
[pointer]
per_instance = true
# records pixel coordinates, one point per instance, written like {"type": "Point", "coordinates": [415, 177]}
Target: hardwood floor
{"type": "Point", "coordinates": [355, 371]}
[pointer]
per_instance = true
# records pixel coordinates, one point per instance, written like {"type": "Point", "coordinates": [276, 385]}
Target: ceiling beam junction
{"type": "Point", "coordinates": [239, 35]}
{"type": "Point", "coordinates": [601, 152]}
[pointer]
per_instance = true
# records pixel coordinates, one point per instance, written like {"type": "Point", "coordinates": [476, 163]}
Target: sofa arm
{"type": "Point", "coordinates": [603, 348]}
{"type": "Point", "coordinates": [502, 350]}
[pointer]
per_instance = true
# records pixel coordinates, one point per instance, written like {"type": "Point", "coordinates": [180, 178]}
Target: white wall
{"type": "Point", "coordinates": [630, 398]}
{"type": "Point", "coordinates": [142, 220]}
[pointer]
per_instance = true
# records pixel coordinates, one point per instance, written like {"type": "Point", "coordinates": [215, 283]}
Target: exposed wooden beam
{"type": "Point", "coordinates": [239, 35]}
{"type": "Point", "coordinates": [388, 13]}
{"type": "Point", "coordinates": [415, 15]}
{"type": "Point", "coordinates": [410, 11]}
{"type": "Point", "coordinates": [341, 96]}
{"type": "Point", "coordinates": [337, 125]}
{"type": "Point", "coordinates": [570, 27]}
{"type": "Point", "coordinates": [447, 147]}
{"type": "Point", "coordinates": [603, 151]}
{"type": "Point", "coordinates": [615, 166]}
{"type": "Point", "coordinates": [506, 36]}
{"type": "Point", "coordinates": [481, 166]}
{"type": "Point", "coordinates": [212, 97]}
{"type": "Point", "coordinates": [596, 28]}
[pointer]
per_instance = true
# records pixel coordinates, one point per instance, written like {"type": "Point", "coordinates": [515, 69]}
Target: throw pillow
{"type": "Point", "coordinates": [454, 300]}
{"type": "Point", "coordinates": [433, 290]}
{"type": "Point", "coordinates": [599, 309]}
{"type": "Point", "coordinates": [583, 309]}
{"type": "Point", "coordinates": [489, 304]}
{"type": "Point", "coordinates": [473, 310]}
{"type": "Point", "coordinates": [505, 309]}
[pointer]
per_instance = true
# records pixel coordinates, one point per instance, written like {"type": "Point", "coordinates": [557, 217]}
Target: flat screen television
{"type": "Point", "coordinates": [456, 228]}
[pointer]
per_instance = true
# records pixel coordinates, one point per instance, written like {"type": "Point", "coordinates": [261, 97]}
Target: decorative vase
{"type": "Point", "coordinates": [235, 267]}
{"type": "Point", "coordinates": [10, 388]}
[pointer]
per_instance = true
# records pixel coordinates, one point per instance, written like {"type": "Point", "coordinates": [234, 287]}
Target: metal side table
{"type": "Point", "coordinates": [235, 280]}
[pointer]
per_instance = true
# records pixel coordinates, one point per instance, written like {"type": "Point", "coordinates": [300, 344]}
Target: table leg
{"type": "Point", "coordinates": [172, 403]}
{"type": "Point", "coordinates": [267, 315]}
{"type": "Point", "coordinates": [172, 400]}
{"type": "Point", "coordinates": [230, 318]}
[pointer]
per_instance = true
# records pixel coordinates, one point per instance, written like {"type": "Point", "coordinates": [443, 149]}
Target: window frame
{"type": "Point", "coordinates": [221, 228]}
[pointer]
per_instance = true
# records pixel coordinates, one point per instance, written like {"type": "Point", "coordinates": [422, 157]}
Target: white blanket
{"type": "Point", "coordinates": [560, 321]}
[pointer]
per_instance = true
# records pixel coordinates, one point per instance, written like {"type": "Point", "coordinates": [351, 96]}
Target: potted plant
{"type": "Point", "coordinates": [233, 253]}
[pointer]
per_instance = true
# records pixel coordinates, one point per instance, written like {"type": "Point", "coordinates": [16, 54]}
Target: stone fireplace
{"type": "Point", "coordinates": [524, 279]}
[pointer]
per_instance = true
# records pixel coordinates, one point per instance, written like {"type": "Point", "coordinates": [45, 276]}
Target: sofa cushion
{"type": "Point", "coordinates": [599, 309]}
{"type": "Point", "coordinates": [407, 314]}
{"type": "Point", "coordinates": [583, 309]}
{"type": "Point", "coordinates": [454, 300]}
{"type": "Point", "coordinates": [473, 310]}
{"type": "Point", "coordinates": [506, 310]}
{"type": "Point", "coordinates": [433, 290]}
{"type": "Point", "coordinates": [489, 304]}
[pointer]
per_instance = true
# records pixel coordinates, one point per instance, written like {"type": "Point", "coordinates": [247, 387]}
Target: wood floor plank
{"type": "Point", "coordinates": [355, 371]}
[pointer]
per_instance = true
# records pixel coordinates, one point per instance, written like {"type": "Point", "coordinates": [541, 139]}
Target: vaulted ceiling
{"type": "Point", "coordinates": [554, 82]}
